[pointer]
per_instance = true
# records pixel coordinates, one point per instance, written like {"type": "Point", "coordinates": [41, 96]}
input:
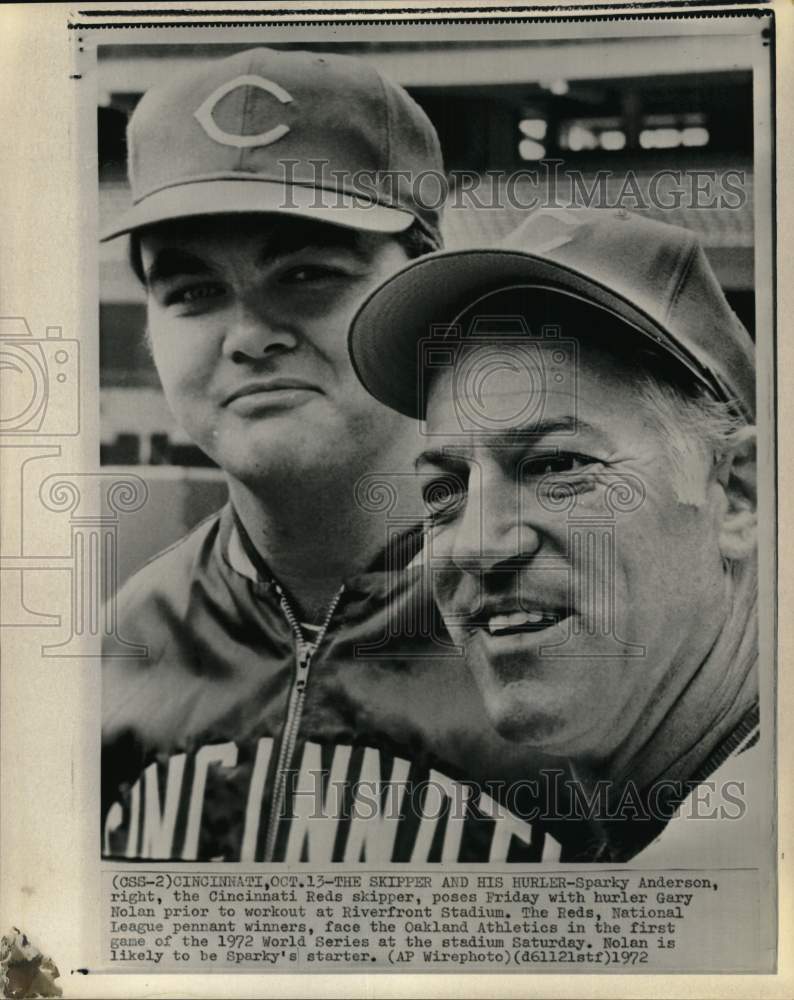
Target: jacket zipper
{"type": "Point", "coordinates": [304, 652]}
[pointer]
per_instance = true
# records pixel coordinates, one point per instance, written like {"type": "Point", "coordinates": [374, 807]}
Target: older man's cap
{"type": "Point", "coordinates": [647, 278]}
{"type": "Point", "coordinates": [325, 137]}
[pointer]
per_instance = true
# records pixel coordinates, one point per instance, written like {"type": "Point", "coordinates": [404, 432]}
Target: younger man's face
{"type": "Point", "coordinates": [248, 319]}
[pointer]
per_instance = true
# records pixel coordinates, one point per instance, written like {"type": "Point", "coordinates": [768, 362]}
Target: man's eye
{"type": "Point", "coordinates": [194, 294]}
{"type": "Point", "coordinates": [549, 465]}
{"type": "Point", "coordinates": [444, 497]}
{"type": "Point", "coordinates": [307, 273]}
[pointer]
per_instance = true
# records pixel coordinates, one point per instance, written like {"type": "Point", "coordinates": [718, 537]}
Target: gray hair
{"type": "Point", "coordinates": [697, 429]}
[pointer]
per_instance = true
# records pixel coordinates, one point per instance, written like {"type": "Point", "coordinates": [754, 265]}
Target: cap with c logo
{"type": "Point", "coordinates": [302, 133]}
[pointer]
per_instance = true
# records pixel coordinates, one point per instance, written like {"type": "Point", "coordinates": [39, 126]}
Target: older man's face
{"type": "Point", "coordinates": [585, 592]}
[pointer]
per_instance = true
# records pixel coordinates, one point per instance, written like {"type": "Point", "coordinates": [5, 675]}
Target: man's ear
{"type": "Point", "coordinates": [736, 472]}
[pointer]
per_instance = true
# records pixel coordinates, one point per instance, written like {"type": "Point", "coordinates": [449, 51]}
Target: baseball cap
{"type": "Point", "coordinates": [321, 136]}
{"type": "Point", "coordinates": [647, 278]}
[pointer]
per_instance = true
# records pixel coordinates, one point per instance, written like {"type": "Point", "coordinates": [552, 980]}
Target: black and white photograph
{"type": "Point", "coordinates": [414, 476]}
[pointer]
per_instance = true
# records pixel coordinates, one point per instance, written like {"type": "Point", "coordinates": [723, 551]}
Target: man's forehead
{"type": "Point", "coordinates": [530, 387]}
{"type": "Point", "coordinates": [497, 379]}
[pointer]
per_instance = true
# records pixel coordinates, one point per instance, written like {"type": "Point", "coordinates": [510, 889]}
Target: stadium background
{"type": "Point", "coordinates": [625, 106]}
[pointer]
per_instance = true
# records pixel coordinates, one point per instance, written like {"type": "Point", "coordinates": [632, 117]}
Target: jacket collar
{"type": "Point", "coordinates": [242, 556]}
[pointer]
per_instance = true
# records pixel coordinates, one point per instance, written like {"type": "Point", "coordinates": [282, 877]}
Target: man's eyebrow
{"type": "Point", "coordinates": [290, 237]}
{"type": "Point", "coordinates": [285, 239]}
{"type": "Point", "coordinates": [173, 263]}
{"type": "Point", "coordinates": [536, 429]}
{"type": "Point", "coordinates": [510, 437]}
{"type": "Point", "coordinates": [447, 456]}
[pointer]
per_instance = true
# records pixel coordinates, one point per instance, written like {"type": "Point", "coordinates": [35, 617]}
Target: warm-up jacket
{"type": "Point", "coordinates": [226, 742]}
{"type": "Point", "coordinates": [230, 740]}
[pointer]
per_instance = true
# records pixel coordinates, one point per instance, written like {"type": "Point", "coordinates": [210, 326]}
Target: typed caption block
{"type": "Point", "coordinates": [586, 920]}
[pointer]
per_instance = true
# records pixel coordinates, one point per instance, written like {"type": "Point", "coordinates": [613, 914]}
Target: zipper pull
{"type": "Point", "coordinates": [304, 659]}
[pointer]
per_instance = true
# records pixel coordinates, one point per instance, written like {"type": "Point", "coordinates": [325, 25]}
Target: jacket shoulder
{"type": "Point", "coordinates": [159, 593]}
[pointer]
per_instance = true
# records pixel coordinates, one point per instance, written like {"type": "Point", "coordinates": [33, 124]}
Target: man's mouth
{"type": "Point", "coordinates": [515, 617]}
{"type": "Point", "coordinates": [522, 621]}
{"type": "Point", "coordinates": [270, 386]}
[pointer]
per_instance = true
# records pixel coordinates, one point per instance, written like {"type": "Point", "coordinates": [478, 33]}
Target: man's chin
{"type": "Point", "coordinates": [281, 449]}
{"type": "Point", "coordinates": [519, 720]}
{"type": "Point", "coordinates": [542, 712]}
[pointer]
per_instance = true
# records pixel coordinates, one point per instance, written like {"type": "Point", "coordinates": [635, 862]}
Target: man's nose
{"type": "Point", "coordinates": [255, 329]}
{"type": "Point", "coordinates": [495, 526]}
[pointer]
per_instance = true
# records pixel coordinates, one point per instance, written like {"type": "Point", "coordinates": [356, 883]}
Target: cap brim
{"type": "Point", "coordinates": [387, 331]}
{"type": "Point", "coordinates": [253, 194]}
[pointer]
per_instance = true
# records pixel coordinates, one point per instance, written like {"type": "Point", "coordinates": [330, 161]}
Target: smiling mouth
{"type": "Point", "coordinates": [499, 621]}
{"type": "Point", "coordinates": [517, 622]}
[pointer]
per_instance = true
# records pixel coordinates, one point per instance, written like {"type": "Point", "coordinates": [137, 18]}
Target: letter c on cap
{"type": "Point", "coordinates": [204, 114]}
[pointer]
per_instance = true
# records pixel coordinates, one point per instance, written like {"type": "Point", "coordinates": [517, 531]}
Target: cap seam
{"type": "Point", "coordinates": [685, 271]}
{"type": "Point", "coordinates": [249, 176]}
{"type": "Point", "coordinates": [387, 126]}
{"type": "Point", "coordinates": [244, 113]}
{"type": "Point", "coordinates": [128, 222]}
